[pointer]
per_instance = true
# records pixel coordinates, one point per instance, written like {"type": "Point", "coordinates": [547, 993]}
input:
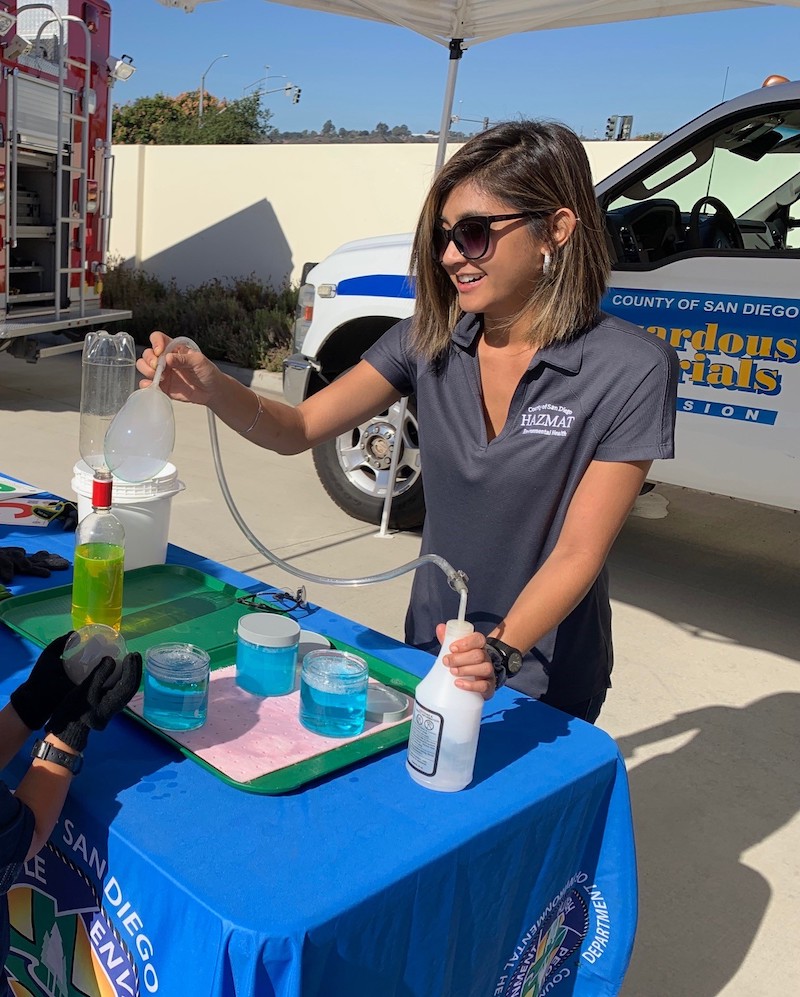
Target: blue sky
{"type": "Point", "coordinates": [662, 71]}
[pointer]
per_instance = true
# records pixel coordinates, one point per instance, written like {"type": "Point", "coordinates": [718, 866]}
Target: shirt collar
{"type": "Point", "coordinates": [566, 356]}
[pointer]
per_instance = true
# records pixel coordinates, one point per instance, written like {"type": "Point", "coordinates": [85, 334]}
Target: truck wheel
{"type": "Point", "coordinates": [354, 470]}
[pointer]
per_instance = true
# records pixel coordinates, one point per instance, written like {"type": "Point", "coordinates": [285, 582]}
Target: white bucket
{"type": "Point", "coordinates": [143, 508]}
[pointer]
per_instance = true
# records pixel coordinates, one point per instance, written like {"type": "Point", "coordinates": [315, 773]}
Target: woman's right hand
{"type": "Point", "coordinates": [188, 375]}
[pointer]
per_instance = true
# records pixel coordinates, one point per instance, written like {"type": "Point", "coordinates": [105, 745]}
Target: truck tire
{"type": "Point", "coordinates": [354, 469]}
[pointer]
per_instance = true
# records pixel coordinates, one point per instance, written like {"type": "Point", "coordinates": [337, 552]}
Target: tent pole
{"type": "Point", "coordinates": [444, 130]}
{"type": "Point", "coordinates": [449, 94]}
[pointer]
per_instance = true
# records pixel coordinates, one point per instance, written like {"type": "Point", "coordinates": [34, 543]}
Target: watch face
{"type": "Point", "coordinates": [514, 662]}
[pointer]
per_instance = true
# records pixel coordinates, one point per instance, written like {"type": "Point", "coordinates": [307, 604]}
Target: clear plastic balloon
{"type": "Point", "coordinates": [87, 647]}
{"type": "Point", "coordinates": [140, 439]}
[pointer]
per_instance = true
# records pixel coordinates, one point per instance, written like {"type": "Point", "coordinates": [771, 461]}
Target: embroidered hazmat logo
{"type": "Point", "coordinates": [547, 420]}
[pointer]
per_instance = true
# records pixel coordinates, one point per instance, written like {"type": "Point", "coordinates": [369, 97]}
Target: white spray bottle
{"type": "Point", "coordinates": [445, 725]}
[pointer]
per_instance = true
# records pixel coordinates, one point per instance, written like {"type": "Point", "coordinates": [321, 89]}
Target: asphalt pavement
{"type": "Point", "coordinates": [706, 699]}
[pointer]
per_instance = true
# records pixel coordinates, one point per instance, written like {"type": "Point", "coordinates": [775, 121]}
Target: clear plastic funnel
{"type": "Point", "coordinates": [108, 376]}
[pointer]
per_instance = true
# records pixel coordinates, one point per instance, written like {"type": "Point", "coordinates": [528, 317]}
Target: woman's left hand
{"type": "Point", "coordinates": [469, 663]}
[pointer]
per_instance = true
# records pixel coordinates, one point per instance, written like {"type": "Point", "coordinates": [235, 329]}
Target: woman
{"type": "Point", "coordinates": [539, 416]}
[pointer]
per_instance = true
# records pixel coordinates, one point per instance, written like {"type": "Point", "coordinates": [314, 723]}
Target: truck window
{"type": "Point", "coordinates": [736, 191]}
{"type": "Point", "coordinates": [29, 22]}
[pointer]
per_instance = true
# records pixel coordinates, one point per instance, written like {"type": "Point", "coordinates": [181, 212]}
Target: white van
{"type": "Point", "coordinates": [703, 229]}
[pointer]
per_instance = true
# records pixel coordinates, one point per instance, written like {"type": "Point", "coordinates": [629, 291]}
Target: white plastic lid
{"type": "Point", "coordinates": [164, 483]}
{"type": "Point", "coordinates": [269, 630]}
{"type": "Point", "coordinates": [385, 704]}
{"type": "Point", "coordinates": [310, 641]}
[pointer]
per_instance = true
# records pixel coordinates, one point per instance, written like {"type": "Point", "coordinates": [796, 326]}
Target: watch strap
{"type": "Point", "coordinates": [504, 656]}
{"type": "Point", "coordinates": [497, 659]}
{"type": "Point", "coordinates": [48, 752]}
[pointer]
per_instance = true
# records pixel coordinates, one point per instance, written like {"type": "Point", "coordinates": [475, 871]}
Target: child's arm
{"type": "Point", "coordinates": [44, 787]}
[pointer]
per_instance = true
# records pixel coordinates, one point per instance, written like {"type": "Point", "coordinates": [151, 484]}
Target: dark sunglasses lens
{"type": "Point", "coordinates": [440, 240]}
{"type": "Point", "coordinates": [471, 238]}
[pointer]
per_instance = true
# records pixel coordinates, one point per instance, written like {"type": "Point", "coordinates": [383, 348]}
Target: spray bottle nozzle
{"type": "Point", "coordinates": [457, 580]}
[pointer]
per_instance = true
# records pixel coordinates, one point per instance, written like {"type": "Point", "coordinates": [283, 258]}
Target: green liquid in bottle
{"type": "Point", "coordinates": [97, 585]}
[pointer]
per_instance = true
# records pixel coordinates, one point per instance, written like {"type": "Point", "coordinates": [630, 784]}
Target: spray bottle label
{"type": "Point", "coordinates": [425, 740]}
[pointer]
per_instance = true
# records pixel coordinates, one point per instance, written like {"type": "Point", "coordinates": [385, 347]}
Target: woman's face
{"type": "Point", "coordinates": [499, 283]}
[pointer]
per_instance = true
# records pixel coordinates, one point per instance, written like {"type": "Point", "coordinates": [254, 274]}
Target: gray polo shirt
{"type": "Point", "coordinates": [495, 509]}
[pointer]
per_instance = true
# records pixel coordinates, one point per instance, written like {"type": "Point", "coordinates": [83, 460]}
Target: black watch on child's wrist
{"type": "Point", "coordinates": [48, 752]}
{"type": "Point", "coordinates": [507, 660]}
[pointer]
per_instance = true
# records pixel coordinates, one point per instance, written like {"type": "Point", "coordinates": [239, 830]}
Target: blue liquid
{"type": "Point", "coordinates": [332, 712]}
{"type": "Point", "coordinates": [174, 705]}
{"type": "Point", "coordinates": [265, 671]}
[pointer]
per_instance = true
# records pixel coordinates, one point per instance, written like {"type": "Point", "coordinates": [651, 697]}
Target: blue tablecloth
{"type": "Point", "coordinates": [160, 878]}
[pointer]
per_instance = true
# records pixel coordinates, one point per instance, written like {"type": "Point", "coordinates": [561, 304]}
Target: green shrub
{"type": "Point", "coordinates": [241, 321]}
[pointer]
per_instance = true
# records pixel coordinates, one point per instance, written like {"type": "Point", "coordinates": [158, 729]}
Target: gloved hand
{"type": "Point", "coordinates": [15, 560]}
{"type": "Point", "coordinates": [89, 706]}
{"type": "Point", "coordinates": [45, 687]}
{"type": "Point", "coordinates": [65, 512]}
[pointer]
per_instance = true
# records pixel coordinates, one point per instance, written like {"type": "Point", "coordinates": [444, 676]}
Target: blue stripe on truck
{"type": "Point", "coordinates": [377, 285]}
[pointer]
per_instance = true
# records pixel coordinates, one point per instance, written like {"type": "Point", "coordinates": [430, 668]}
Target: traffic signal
{"type": "Point", "coordinates": [611, 127]}
{"type": "Point", "coordinates": [485, 124]}
{"type": "Point", "coordinates": [296, 95]}
{"type": "Point", "coordinates": [625, 127]}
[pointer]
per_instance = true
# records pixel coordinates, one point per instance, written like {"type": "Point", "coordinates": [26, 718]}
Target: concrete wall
{"type": "Point", "coordinates": [196, 212]}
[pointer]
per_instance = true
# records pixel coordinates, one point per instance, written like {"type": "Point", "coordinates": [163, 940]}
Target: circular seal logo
{"type": "Point", "coordinates": [538, 966]}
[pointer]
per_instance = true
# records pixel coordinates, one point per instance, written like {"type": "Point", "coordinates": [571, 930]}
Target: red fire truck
{"type": "Point", "coordinates": [56, 170]}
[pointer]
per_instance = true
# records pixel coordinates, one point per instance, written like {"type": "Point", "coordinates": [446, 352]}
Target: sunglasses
{"type": "Point", "coordinates": [287, 601]}
{"type": "Point", "coordinates": [471, 235]}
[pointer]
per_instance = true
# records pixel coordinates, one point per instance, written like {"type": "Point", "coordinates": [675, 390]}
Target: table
{"type": "Point", "coordinates": [160, 878]}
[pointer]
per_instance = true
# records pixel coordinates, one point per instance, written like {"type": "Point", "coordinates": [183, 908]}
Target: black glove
{"type": "Point", "coordinates": [65, 512]}
{"type": "Point", "coordinates": [6, 566]}
{"type": "Point", "coordinates": [90, 706]}
{"type": "Point", "coordinates": [15, 561]}
{"type": "Point", "coordinates": [45, 687]}
{"type": "Point", "coordinates": [43, 560]}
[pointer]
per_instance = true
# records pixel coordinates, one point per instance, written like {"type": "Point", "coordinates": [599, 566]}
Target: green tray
{"type": "Point", "coordinates": [171, 602]}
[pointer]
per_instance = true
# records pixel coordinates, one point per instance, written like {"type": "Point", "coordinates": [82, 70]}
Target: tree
{"type": "Point", "coordinates": [142, 122]}
{"type": "Point", "coordinates": [163, 120]}
{"type": "Point", "coordinates": [328, 129]}
{"type": "Point", "coordinates": [382, 129]}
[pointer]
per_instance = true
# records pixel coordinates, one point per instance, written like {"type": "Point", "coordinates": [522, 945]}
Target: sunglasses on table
{"type": "Point", "coordinates": [471, 235]}
{"type": "Point", "coordinates": [287, 602]}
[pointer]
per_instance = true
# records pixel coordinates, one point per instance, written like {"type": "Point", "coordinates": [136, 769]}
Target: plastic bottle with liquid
{"type": "Point", "coordinates": [445, 725]}
{"type": "Point", "coordinates": [108, 377]}
{"type": "Point", "coordinates": [99, 562]}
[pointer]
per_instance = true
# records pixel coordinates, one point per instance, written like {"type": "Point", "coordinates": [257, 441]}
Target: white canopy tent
{"type": "Point", "coordinates": [457, 24]}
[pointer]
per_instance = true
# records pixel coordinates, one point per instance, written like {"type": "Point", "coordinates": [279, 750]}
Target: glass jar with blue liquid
{"type": "Point", "coordinates": [333, 693]}
{"type": "Point", "coordinates": [176, 686]}
{"type": "Point", "coordinates": [266, 654]}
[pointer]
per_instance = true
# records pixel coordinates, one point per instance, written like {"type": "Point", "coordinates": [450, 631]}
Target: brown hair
{"type": "Point", "coordinates": [531, 166]}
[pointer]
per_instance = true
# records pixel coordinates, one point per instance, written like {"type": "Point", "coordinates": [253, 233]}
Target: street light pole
{"type": "Point", "coordinates": [203, 86]}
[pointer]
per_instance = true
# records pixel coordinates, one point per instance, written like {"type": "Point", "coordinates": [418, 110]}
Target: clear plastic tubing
{"type": "Point", "coordinates": [456, 579]}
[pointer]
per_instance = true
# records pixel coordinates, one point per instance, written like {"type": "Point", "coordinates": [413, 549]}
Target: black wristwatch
{"type": "Point", "coordinates": [50, 753]}
{"type": "Point", "coordinates": [506, 660]}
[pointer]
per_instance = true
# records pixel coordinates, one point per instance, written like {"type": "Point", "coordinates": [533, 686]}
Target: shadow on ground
{"type": "Point", "coordinates": [734, 784]}
{"type": "Point", "coordinates": [717, 568]}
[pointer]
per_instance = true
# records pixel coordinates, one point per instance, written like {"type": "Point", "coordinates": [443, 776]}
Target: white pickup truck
{"type": "Point", "coordinates": [703, 230]}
